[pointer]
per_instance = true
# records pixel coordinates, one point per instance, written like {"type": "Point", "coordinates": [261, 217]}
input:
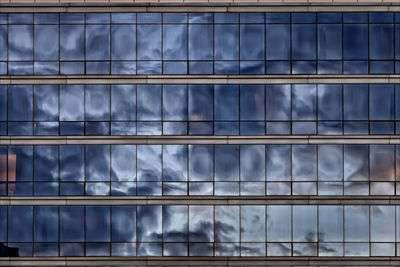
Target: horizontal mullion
{"type": "Point", "coordinates": [199, 79]}
{"type": "Point", "coordinates": [199, 200]}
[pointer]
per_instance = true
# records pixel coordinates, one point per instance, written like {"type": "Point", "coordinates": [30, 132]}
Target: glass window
{"type": "Point", "coordinates": [382, 162]}
{"type": "Point", "coordinates": [46, 224]}
{"type": "Point", "coordinates": [227, 223]}
{"type": "Point", "coordinates": [175, 223]}
{"type": "Point", "coordinates": [149, 102]}
{"type": "Point", "coordinates": [3, 42]}
{"type": "Point", "coordinates": [355, 101]}
{"type": "Point", "coordinates": [356, 162]}
{"type": "Point", "coordinates": [201, 162]}
{"type": "Point", "coordinates": [149, 223]}
{"type": "Point", "coordinates": [279, 223]}
{"type": "Point", "coordinates": [97, 163]}
{"type": "Point", "coordinates": [330, 163]}
{"type": "Point", "coordinates": [123, 223]}
{"type": "Point", "coordinates": [97, 223]}
{"type": "Point", "coordinates": [20, 103]}
{"type": "Point", "coordinates": [46, 42]}
{"type": "Point", "coordinates": [278, 103]}
{"type": "Point", "coordinates": [200, 102]}
{"type": "Point", "coordinates": [149, 42]}
{"type": "Point", "coordinates": [226, 162]}
{"type": "Point", "coordinates": [175, 42]}
{"type": "Point", "coordinates": [278, 41]}
{"type": "Point", "coordinates": [123, 102]}
{"type": "Point", "coordinates": [46, 102]}
{"type": "Point", "coordinates": [252, 162]}
{"type": "Point", "coordinates": [355, 41]}
{"type": "Point", "coordinates": [20, 220]}
{"type": "Point", "coordinates": [252, 104]}
{"type": "Point", "coordinates": [23, 158]}
{"type": "Point", "coordinates": [97, 102]}
{"type": "Point", "coordinates": [72, 103]}
{"type": "Point", "coordinates": [226, 43]}
{"type": "Point", "coordinates": [252, 220]}
{"type": "Point", "coordinates": [45, 163]}
{"type": "Point", "coordinates": [123, 162]}
{"type": "Point", "coordinates": [304, 161]}
{"type": "Point", "coordinates": [330, 41]}
{"type": "Point", "coordinates": [252, 42]}
{"type": "Point", "coordinates": [330, 220]}
{"type": "Point", "coordinates": [97, 42]}
{"type": "Point", "coordinates": [175, 163]}
{"type": "Point", "coordinates": [72, 42]}
{"type": "Point", "coordinates": [381, 103]}
{"type": "Point", "coordinates": [71, 163]}
{"type": "Point", "coordinates": [303, 41]}
{"type": "Point", "coordinates": [3, 102]}
{"type": "Point", "coordinates": [278, 164]}
{"type": "Point", "coordinates": [201, 224]}
{"type": "Point", "coordinates": [383, 224]}
{"type": "Point", "coordinates": [226, 102]}
{"type": "Point", "coordinates": [72, 224]}
{"type": "Point", "coordinates": [304, 223]}
{"type": "Point", "coordinates": [20, 41]}
{"type": "Point", "coordinates": [3, 223]}
{"type": "Point", "coordinates": [356, 223]}
{"type": "Point", "coordinates": [304, 102]}
{"type": "Point", "coordinates": [175, 102]}
{"type": "Point", "coordinates": [123, 42]}
{"type": "Point", "coordinates": [149, 163]}
{"type": "Point", "coordinates": [330, 102]}
{"type": "Point", "coordinates": [200, 48]}
{"type": "Point", "coordinates": [381, 41]}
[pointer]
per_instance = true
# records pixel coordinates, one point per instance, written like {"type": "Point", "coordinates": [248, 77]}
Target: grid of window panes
{"type": "Point", "coordinates": [202, 109]}
{"type": "Point", "coordinates": [190, 170]}
{"type": "Point", "coordinates": [298, 230]}
{"type": "Point", "coordinates": [169, 43]}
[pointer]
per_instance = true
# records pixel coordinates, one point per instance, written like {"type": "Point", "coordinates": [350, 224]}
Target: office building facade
{"type": "Point", "coordinates": [199, 133]}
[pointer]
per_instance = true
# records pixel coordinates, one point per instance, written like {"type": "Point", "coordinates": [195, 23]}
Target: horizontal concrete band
{"type": "Point", "coordinates": [200, 200]}
{"type": "Point", "coordinates": [199, 79]}
{"type": "Point", "coordinates": [15, 6]}
{"type": "Point", "coordinates": [200, 261]}
{"type": "Point", "coordinates": [153, 140]}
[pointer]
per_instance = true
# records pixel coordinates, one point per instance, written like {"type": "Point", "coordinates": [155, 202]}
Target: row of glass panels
{"type": "Point", "coordinates": [337, 109]}
{"type": "Point", "coordinates": [169, 43]}
{"type": "Point", "coordinates": [358, 230]}
{"type": "Point", "coordinates": [199, 170]}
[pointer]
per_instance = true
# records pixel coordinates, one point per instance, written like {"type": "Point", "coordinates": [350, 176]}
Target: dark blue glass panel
{"type": "Point", "coordinates": [381, 17]}
{"type": "Point", "coordinates": [149, 102]}
{"type": "Point", "coordinates": [3, 103]}
{"type": "Point", "coordinates": [46, 224]}
{"type": "Point", "coordinates": [22, 157]}
{"type": "Point", "coordinates": [149, 42]}
{"type": "Point", "coordinates": [123, 102]}
{"type": "Point", "coordinates": [276, 17]}
{"type": "Point", "coordinates": [97, 42]}
{"type": "Point", "coordinates": [304, 102]}
{"type": "Point", "coordinates": [252, 105]}
{"type": "Point", "coordinates": [123, 17]}
{"type": "Point", "coordinates": [330, 102]}
{"type": "Point", "coordinates": [226, 17]}
{"type": "Point", "coordinates": [97, 102]}
{"type": "Point", "coordinates": [97, 18]}
{"type": "Point", "coordinates": [71, 103]}
{"type": "Point", "coordinates": [149, 223]}
{"type": "Point", "coordinates": [46, 42]}
{"type": "Point", "coordinates": [149, 163]}
{"type": "Point", "coordinates": [97, 166]}
{"type": "Point", "coordinates": [20, 41]}
{"type": "Point", "coordinates": [72, 189]}
{"type": "Point", "coordinates": [200, 48]}
{"type": "Point", "coordinates": [98, 224]}
{"type": "Point", "coordinates": [200, 102]}
{"type": "Point", "coordinates": [327, 17]}
{"type": "Point", "coordinates": [20, 103]}
{"type": "Point", "coordinates": [252, 17]}
{"type": "Point", "coordinates": [46, 163]}
{"type": "Point", "coordinates": [123, 163]}
{"type": "Point", "coordinates": [72, 128]}
{"type": "Point", "coordinates": [175, 102]}
{"type": "Point", "coordinates": [72, 224]}
{"type": "Point", "coordinates": [72, 18]}
{"type": "Point", "coordinates": [226, 163]}
{"type": "Point", "coordinates": [46, 102]}
{"type": "Point", "coordinates": [200, 17]}
{"type": "Point", "coordinates": [355, 17]}
{"type": "Point", "coordinates": [329, 41]}
{"type": "Point", "coordinates": [278, 42]}
{"type": "Point", "coordinates": [123, 42]}
{"type": "Point", "coordinates": [226, 102]}
{"type": "Point", "coordinates": [278, 102]}
{"type": "Point", "coordinates": [46, 18]}
{"type": "Point", "coordinates": [20, 18]}
{"type": "Point", "coordinates": [149, 18]}
{"type": "Point", "coordinates": [72, 41]}
{"type": "Point", "coordinates": [381, 39]}
{"type": "Point", "coordinates": [304, 17]}
{"type": "Point", "coordinates": [355, 41]}
{"type": "Point", "coordinates": [71, 163]}
{"type": "Point", "coordinates": [123, 224]}
{"type": "Point", "coordinates": [175, 17]}
{"type": "Point", "coordinates": [226, 42]}
{"type": "Point", "coordinates": [3, 42]}
{"type": "Point", "coordinates": [175, 42]}
{"type": "Point", "coordinates": [3, 224]}
{"type": "Point", "coordinates": [381, 103]}
{"type": "Point", "coordinates": [303, 41]}
{"type": "Point", "coordinates": [252, 42]}
{"type": "Point", "coordinates": [20, 224]}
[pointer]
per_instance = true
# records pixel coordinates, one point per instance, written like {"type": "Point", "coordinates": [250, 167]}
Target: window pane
{"type": "Point", "coordinates": [226, 42]}
{"type": "Point", "coordinates": [278, 165]}
{"type": "Point", "coordinates": [149, 102]}
{"type": "Point", "coordinates": [46, 102]}
{"type": "Point", "coordinates": [201, 224]}
{"type": "Point", "coordinates": [149, 42]}
{"type": "Point", "coordinates": [200, 102]}
{"type": "Point", "coordinates": [355, 41]}
{"type": "Point", "coordinates": [20, 103]}
{"type": "Point", "coordinates": [304, 160]}
{"type": "Point", "coordinates": [46, 163]}
{"type": "Point", "coordinates": [20, 220]}
{"type": "Point", "coordinates": [175, 42]}
{"type": "Point", "coordinates": [252, 42]}
{"type": "Point", "coordinates": [278, 41]}
{"type": "Point", "coordinates": [123, 42]}
{"type": "Point", "coordinates": [200, 48]}
{"type": "Point", "coordinates": [97, 42]}
{"type": "Point", "coordinates": [201, 162]}
{"type": "Point", "coordinates": [175, 102]}
{"type": "Point", "coordinates": [304, 102]}
{"type": "Point", "coordinates": [381, 103]}
{"type": "Point", "coordinates": [356, 162]}
{"type": "Point", "coordinates": [97, 162]}
{"type": "Point", "coordinates": [71, 103]}
{"type": "Point", "coordinates": [46, 224]}
{"type": "Point", "coordinates": [72, 42]}
{"type": "Point", "coordinates": [304, 223]}
{"type": "Point", "coordinates": [330, 223]}
{"type": "Point", "coordinates": [226, 163]}
{"type": "Point", "coordinates": [149, 223]}
{"type": "Point", "coordinates": [303, 41]}
{"type": "Point", "coordinates": [123, 225]}
{"type": "Point", "coordinates": [252, 223]}
{"type": "Point", "coordinates": [330, 102]}
{"type": "Point", "coordinates": [72, 224]}
{"type": "Point", "coordinates": [279, 220]}
{"type": "Point", "coordinates": [46, 42]}
{"type": "Point", "coordinates": [330, 41]}
{"type": "Point", "coordinates": [175, 162]}
{"type": "Point", "coordinates": [381, 38]}
{"type": "Point", "coordinates": [383, 224]}
{"type": "Point", "coordinates": [20, 40]}
{"type": "Point", "coordinates": [123, 162]}
{"type": "Point", "coordinates": [97, 223]}
{"type": "Point", "coordinates": [252, 105]}
{"type": "Point", "coordinates": [382, 162]}
{"type": "Point", "coordinates": [356, 223]}
{"type": "Point", "coordinates": [330, 162]}
{"type": "Point", "coordinates": [226, 102]}
{"type": "Point", "coordinates": [71, 163]}
{"type": "Point", "coordinates": [149, 163]}
{"type": "Point", "coordinates": [97, 102]}
{"type": "Point", "coordinates": [227, 223]}
{"type": "Point", "coordinates": [278, 102]}
{"type": "Point", "coordinates": [123, 102]}
{"type": "Point", "coordinates": [252, 163]}
{"type": "Point", "coordinates": [355, 101]}
{"type": "Point", "coordinates": [175, 223]}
